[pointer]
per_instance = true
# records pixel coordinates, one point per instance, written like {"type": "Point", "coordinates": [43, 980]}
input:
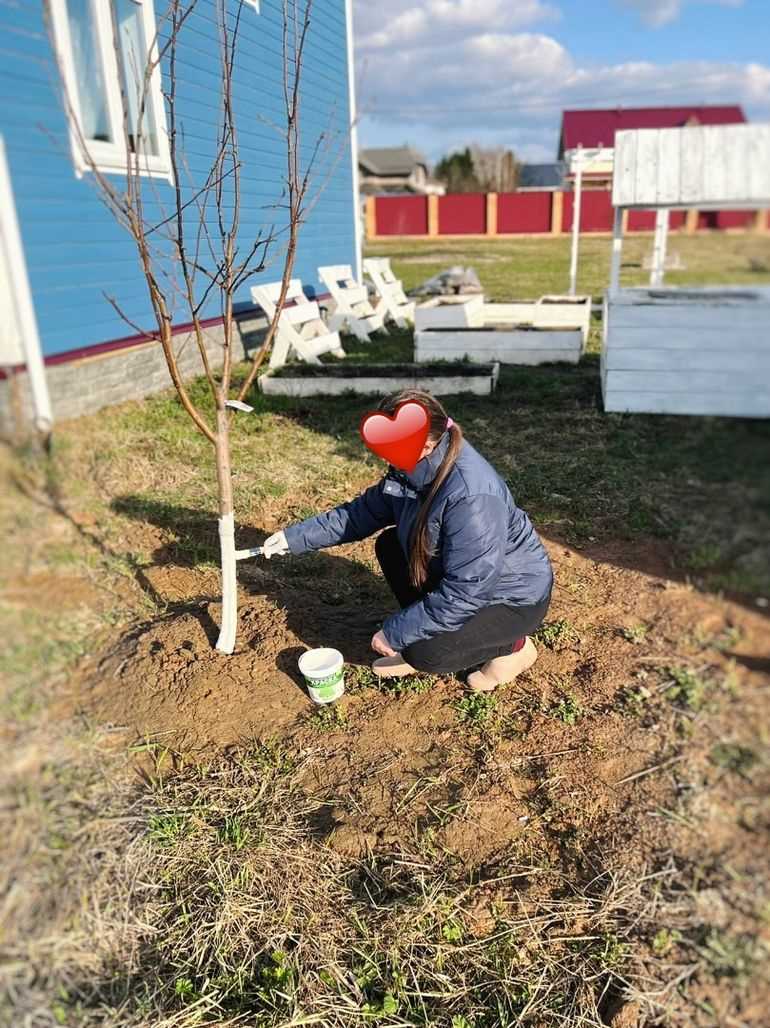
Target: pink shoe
{"type": "Point", "coordinates": [392, 667]}
{"type": "Point", "coordinates": [503, 669]}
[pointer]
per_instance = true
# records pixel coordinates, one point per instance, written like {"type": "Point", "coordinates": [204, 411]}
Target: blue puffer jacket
{"type": "Point", "coordinates": [485, 548]}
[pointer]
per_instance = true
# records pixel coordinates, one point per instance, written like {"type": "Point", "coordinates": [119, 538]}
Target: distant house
{"type": "Point", "coordinates": [595, 129]}
{"type": "Point", "coordinates": [395, 169]}
{"type": "Point", "coordinates": [542, 176]}
{"type": "Point", "coordinates": [61, 251]}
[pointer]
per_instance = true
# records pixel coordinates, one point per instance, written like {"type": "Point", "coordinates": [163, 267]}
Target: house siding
{"type": "Point", "coordinates": [76, 252]}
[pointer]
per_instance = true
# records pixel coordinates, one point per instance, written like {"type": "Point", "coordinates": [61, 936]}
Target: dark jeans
{"type": "Point", "coordinates": [491, 632]}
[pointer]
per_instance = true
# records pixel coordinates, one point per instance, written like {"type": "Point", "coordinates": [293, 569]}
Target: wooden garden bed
{"type": "Point", "coordinates": [441, 379]}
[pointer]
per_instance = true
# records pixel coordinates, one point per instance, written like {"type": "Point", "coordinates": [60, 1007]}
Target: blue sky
{"type": "Point", "coordinates": [444, 73]}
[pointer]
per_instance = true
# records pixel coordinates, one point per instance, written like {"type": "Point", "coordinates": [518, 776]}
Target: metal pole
{"type": "Point", "coordinates": [617, 250]}
{"type": "Point", "coordinates": [576, 223]}
{"type": "Point", "coordinates": [658, 270]}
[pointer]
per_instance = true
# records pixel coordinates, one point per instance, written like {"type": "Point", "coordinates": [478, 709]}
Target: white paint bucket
{"type": "Point", "coordinates": [324, 674]}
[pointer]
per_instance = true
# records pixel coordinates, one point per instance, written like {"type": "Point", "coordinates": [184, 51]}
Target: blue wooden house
{"type": "Point", "coordinates": [62, 251]}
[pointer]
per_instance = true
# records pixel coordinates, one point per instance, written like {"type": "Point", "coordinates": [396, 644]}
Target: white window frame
{"type": "Point", "coordinates": [111, 158]}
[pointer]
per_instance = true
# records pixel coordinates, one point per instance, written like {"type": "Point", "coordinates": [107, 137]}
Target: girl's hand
{"type": "Point", "coordinates": [381, 645]}
{"type": "Point", "coordinates": [275, 545]}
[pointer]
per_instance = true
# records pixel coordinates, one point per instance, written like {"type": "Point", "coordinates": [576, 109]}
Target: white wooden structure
{"type": "Point", "coordinates": [568, 312]}
{"type": "Point", "coordinates": [19, 339]}
{"type": "Point", "coordinates": [549, 312]}
{"type": "Point", "coordinates": [690, 350]}
{"type": "Point", "coordinates": [392, 301]}
{"type": "Point", "coordinates": [301, 330]}
{"type": "Point", "coordinates": [383, 379]}
{"type": "Point", "coordinates": [351, 308]}
{"type": "Point", "coordinates": [507, 345]}
{"type": "Point", "coordinates": [553, 328]}
{"type": "Point", "coordinates": [450, 312]}
{"type": "Point", "coordinates": [583, 161]}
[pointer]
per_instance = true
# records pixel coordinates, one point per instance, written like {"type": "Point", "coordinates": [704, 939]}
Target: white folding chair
{"type": "Point", "coordinates": [352, 310]}
{"type": "Point", "coordinates": [300, 329]}
{"type": "Point", "coordinates": [392, 300]}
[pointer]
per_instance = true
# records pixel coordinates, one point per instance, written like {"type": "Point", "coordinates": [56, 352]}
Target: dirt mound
{"type": "Point", "coordinates": [551, 760]}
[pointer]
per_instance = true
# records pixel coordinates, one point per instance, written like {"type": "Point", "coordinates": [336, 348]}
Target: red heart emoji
{"type": "Point", "coordinates": [398, 438]}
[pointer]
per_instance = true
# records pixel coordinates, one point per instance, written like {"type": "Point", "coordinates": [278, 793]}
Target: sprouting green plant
{"type": "Point", "coordinates": [704, 556]}
{"type": "Point", "coordinates": [556, 635]}
{"type": "Point", "coordinates": [165, 829]}
{"type": "Point", "coordinates": [451, 923]}
{"type": "Point", "coordinates": [687, 688]}
{"type": "Point", "coordinates": [568, 709]}
{"type": "Point", "coordinates": [234, 832]}
{"type": "Point", "coordinates": [360, 676]}
{"type": "Point", "coordinates": [272, 755]}
{"type": "Point", "coordinates": [610, 951]}
{"type": "Point", "coordinates": [330, 718]}
{"type": "Point", "coordinates": [277, 975]}
{"type": "Point", "coordinates": [636, 634]}
{"type": "Point", "coordinates": [476, 709]}
{"type": "Point", "coordinates": [184, 989]}
{"type": "Point", "coordinates": [665, 940]}
{"type": "Point", "coordinates": [387, 1005]}
{"type": "Point", "coordinates": [634, 699]}
{"type": "Point", "coordinates": [729, 956]}
{"type": "Point", "coordinates": [461, 1021]}
{"type": "Point", "coordinates": [411, 684]}
{"type": "Point", "coordinates": [733, 757]}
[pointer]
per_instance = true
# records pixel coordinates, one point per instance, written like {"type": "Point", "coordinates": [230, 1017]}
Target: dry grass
{"type": "Point", "coordinates": [204, 898]}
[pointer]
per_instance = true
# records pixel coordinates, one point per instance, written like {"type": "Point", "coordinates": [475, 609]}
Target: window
{"type": "Point", "coordinates": [103, 48]}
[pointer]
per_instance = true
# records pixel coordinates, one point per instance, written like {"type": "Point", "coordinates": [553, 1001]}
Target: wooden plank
{"type": "Point", "coordinates": [689, 359]}
{"type": "Point", "coordinates": [505, 355]}
{"type": "Point", "coordinates": [646, 170]}
{"type": "Point", "coordinates": [683, 381]}
{"type": "Point", "coordinates": [623, 180]}
{"type": "Point", "coordinates": [716, 179]}
{"type": "Point", "coordinates": [668, 169]}
{"type": "Point", "coordinates": [725, 166]}
{"type": "Point", "coordinates": [722, 404]}
{"type": "Point", "coordinates": [692, 177]}
{"type": "Point", "coordinates": [698, 337]}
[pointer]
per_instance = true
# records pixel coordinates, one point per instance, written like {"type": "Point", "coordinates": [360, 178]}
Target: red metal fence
{"type": "Point", "coordinates": [538, 212]}
{"type": "Point", "coordinates": [528, 213]}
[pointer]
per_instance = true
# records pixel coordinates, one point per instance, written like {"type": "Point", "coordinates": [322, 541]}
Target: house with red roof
{"type": "Point", "coordinates": [597, 128]}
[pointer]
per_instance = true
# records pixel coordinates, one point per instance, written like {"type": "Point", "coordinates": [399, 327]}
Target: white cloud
{"type": "Point", "coordinates": [404, 22]}
{"type": "Point", "coordinates": [450, 80]}
{"type": "Point", "coordinates": [662, 12]}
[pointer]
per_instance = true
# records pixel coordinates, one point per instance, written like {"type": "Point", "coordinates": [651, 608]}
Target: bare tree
{"type": "Point", "coordinates": [495, 168]}
{"type": "Point", "coordinates": [194, 252]}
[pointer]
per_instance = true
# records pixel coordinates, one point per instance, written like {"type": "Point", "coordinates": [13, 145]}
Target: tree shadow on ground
{"type": "Point", "coordinates": [329, 599]}
{"type": "Point", "coordinates": [696, 488]}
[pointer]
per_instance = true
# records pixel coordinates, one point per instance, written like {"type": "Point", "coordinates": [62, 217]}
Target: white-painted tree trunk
{"type": "Point", "coordinates": [229, 623]}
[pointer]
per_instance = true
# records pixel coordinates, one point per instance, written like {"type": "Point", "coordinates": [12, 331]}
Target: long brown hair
{"type": "Point", "coordinates": [420, 553]}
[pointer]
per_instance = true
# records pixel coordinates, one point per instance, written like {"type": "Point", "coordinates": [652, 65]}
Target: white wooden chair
{"type": "Point", "coordinates": [300, 329]}
{"type": "Point", "coordinates": [392, 300]}
{"type": "Point", "coordinates": [352, 310]}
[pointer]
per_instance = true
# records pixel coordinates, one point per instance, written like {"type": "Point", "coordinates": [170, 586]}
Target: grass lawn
{"type": "Point", "coordinates": [530, 268]}
{"type": "Point", "coordinates": [189, 842]}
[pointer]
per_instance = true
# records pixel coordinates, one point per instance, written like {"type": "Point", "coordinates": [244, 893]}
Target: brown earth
{"type": "Point", "coordinates": [401, 764]}
{"type": "Point", "coordinates": [631, 784]}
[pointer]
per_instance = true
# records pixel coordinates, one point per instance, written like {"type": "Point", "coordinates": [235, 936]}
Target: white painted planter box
{"type": "Point", "coordinates": [688, 351]}
{"type": "Point", "coordinates": [382, 379]}
{"type": "Point", "coordinates": [507, 345]}
{"type": "Point", "coordinates": [567, 312]}
{"type": "Point", "coordinates": [450, 312]}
